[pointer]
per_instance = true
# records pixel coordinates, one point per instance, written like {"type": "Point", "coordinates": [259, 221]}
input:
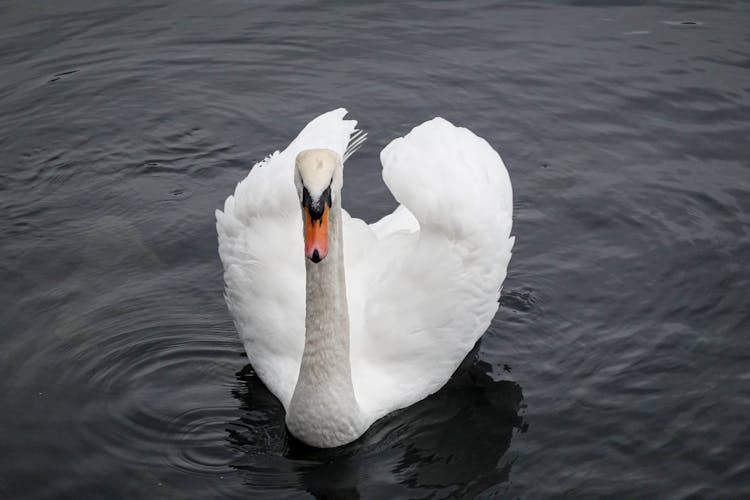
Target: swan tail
{"type": "Point", "coordinates": [356, 141]}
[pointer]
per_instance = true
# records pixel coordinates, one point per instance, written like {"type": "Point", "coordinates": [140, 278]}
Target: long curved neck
{"type": "Point", "coordinates": [324, 410]}
{"type": "Point", "coordinates": [326, 313]}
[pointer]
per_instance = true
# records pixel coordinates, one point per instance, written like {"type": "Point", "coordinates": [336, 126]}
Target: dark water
{"type": "Point", "coordinates": [618, 363]}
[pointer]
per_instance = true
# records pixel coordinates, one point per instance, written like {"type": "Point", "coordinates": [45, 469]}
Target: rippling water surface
{"type": "Point", "coordinates": [618, 363]}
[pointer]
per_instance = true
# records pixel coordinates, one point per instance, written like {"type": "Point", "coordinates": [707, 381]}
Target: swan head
{"type": "Point", "coordinates": [318, 176]}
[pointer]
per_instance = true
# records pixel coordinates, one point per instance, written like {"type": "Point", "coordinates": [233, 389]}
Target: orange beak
{"type": "Point", "coordinates": [316, 236]}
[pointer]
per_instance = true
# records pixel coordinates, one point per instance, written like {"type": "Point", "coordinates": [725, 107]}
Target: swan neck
{"type": "Point", "coordinates": [326, 311]}
{"type": "Point", "coordinates": [323, 410]}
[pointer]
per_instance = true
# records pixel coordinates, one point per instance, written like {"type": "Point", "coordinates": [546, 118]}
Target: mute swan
{"type": "Point", "coordinates": [343, 321]}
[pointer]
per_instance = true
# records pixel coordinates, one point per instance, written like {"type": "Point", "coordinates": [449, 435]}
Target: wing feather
{"type": "Point", "coordinates": [432, 292]}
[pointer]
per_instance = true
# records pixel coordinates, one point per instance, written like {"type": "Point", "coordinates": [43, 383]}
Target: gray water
{"type": "Point", "coordinates": [617, 365]}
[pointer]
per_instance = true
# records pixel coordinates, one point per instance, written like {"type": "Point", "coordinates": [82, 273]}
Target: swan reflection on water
{"type": "Point", "coordinates": [454, 441]}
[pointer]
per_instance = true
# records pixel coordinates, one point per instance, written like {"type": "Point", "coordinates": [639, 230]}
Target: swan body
{"type": "Point", "coordinates": [344, 321]}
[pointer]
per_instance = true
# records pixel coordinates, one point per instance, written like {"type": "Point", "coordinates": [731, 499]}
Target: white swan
{"type": "Point", "coordinates": [376, 317]}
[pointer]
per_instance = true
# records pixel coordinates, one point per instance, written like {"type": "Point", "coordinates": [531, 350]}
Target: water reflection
{"type": "Point", "coordinates": [453, 442]}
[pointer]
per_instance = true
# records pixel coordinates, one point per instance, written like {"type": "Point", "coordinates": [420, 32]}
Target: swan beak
{"type": "Point", "coordinates": [316, 235]}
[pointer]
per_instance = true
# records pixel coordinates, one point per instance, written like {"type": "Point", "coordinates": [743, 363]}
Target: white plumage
{"type": "Point", "coordinates": [422, 284]}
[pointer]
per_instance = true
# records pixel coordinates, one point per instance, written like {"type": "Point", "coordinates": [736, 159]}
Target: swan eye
{"type": "Point", "coordinates": [306, 198]}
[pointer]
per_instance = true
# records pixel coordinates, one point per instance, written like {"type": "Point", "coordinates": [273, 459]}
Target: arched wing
{"type": "Point", "coordinates": [428, 294]}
